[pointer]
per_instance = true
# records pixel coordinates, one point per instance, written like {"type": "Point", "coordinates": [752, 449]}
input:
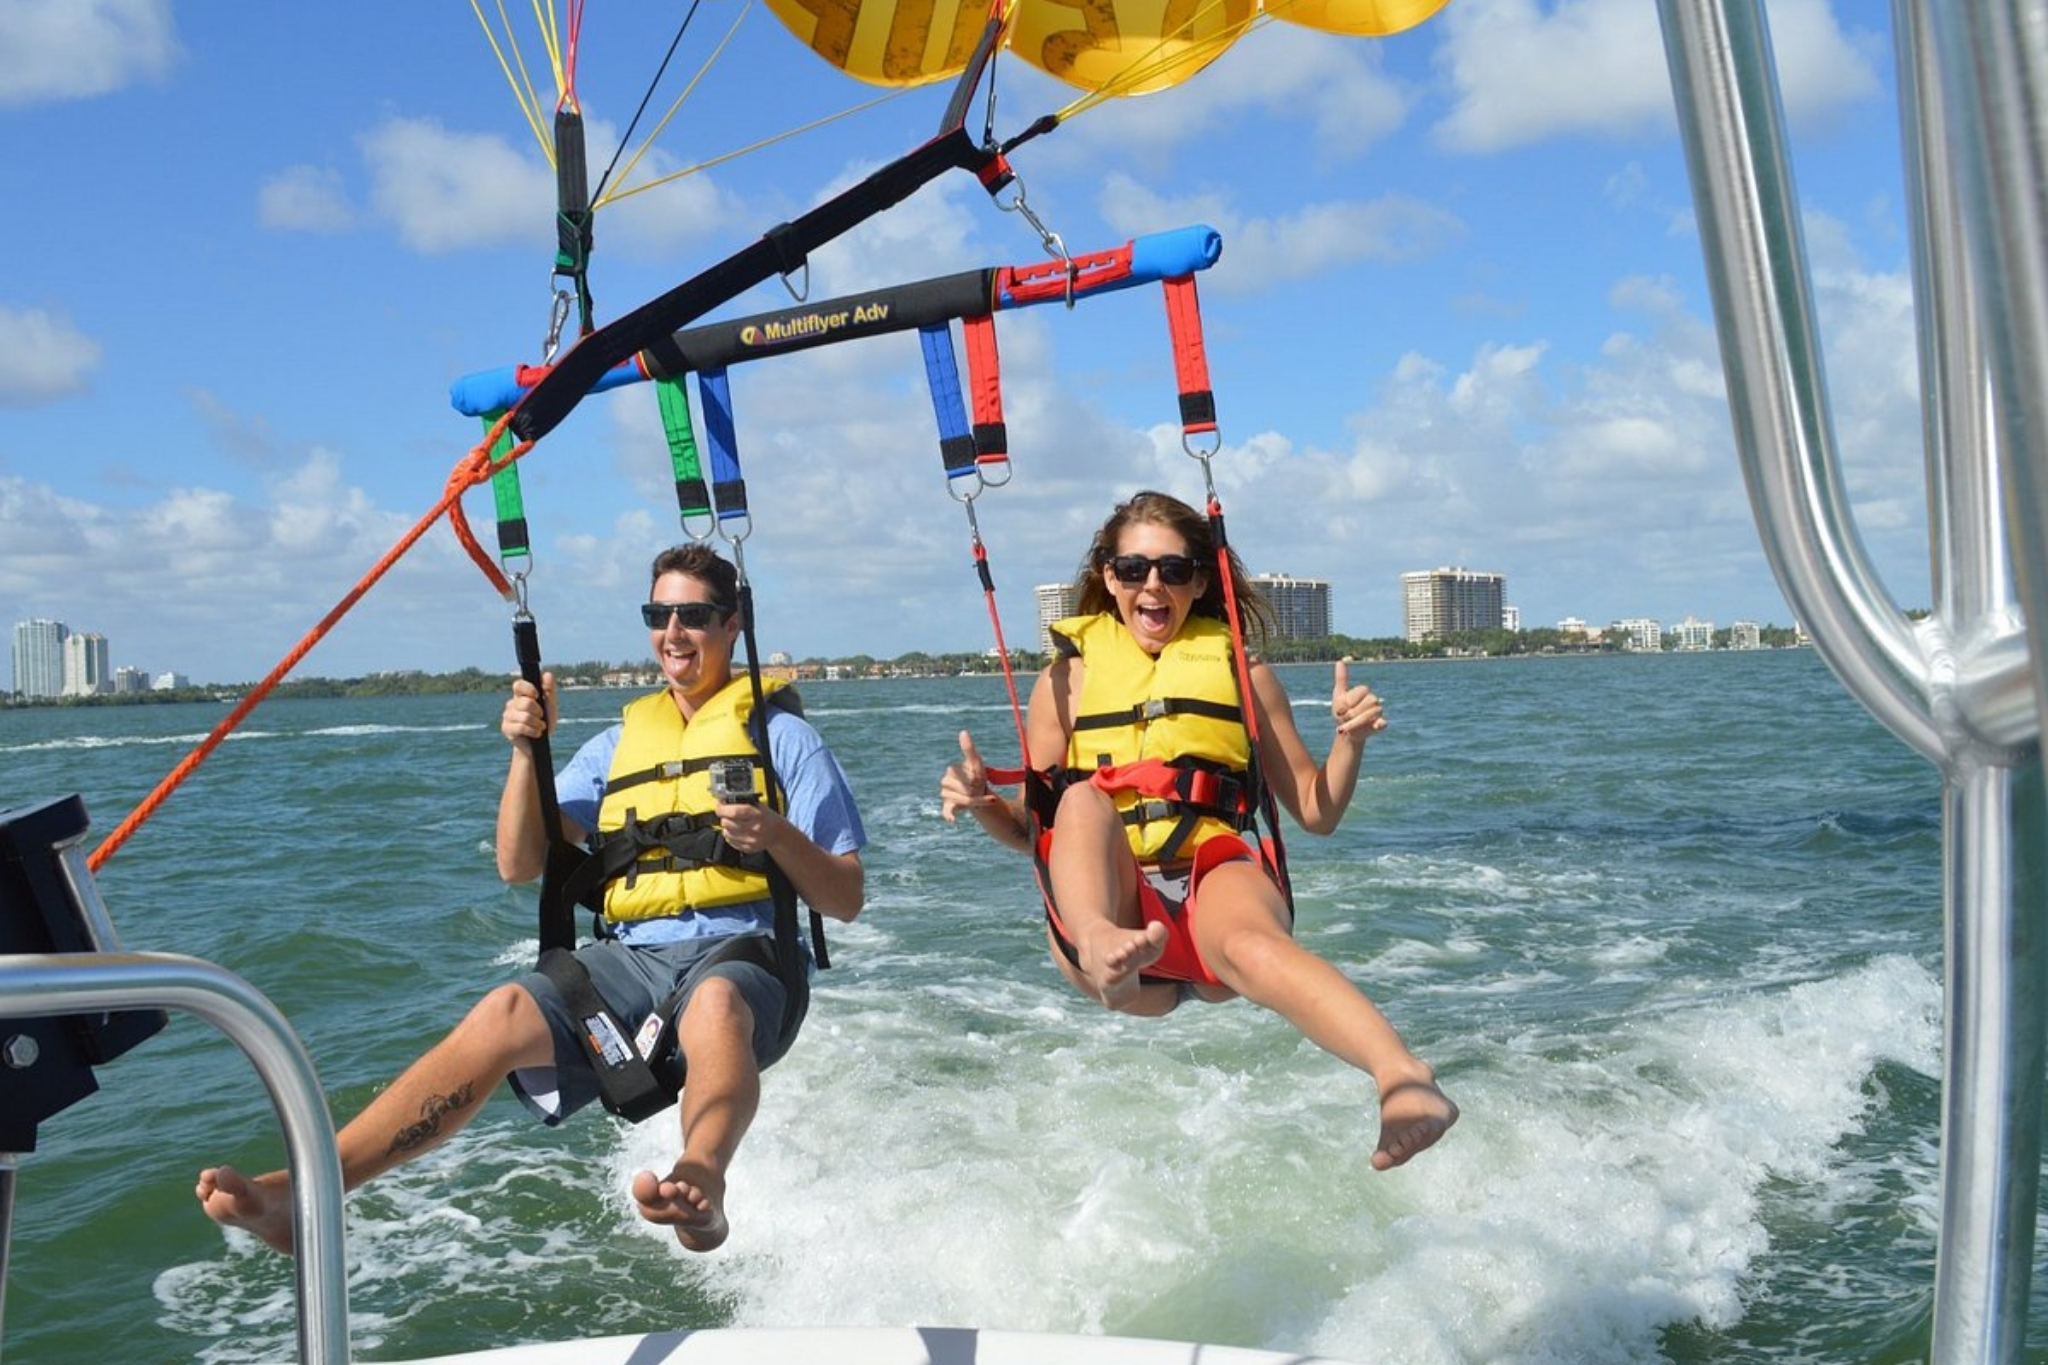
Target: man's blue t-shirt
{"type": "Point", "coordinates": [820, 804]}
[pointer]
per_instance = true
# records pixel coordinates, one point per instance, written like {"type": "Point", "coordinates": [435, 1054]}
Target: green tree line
{"type": "Point", "coordinates": [917, 663]}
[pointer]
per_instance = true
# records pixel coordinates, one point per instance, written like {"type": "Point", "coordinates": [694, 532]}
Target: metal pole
{"type": "Point", "coordinates": [83, 983]}
{"type": "Point", "coordinates": [1954, 687]}
{"type": "Point", "coordinates": [9, 1166]}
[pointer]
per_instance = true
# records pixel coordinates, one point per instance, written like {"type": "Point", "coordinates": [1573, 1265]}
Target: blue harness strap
{"type": "Point", "coordinates": [721, 442]}
{"type": "Point", "coordinates": [942, 374]}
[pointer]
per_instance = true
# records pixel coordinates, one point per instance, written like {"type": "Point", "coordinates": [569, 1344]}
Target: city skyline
{"type": "Point", "coordinates": [49, 659]}
{"type": "Point", "coordinates": [1050, 601]}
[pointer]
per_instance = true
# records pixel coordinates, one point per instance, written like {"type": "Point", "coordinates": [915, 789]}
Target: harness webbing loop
{"type": "Point", "coordinates": [985, 385]}
{"type": "Point", "coordinates": [949, 408]}
{"type": "Point", "coordinates": [1190, 358]}
{"type": "Point", "coordinates": [721, 441]}
{"type": "Point", "coordinates": [693, 495]}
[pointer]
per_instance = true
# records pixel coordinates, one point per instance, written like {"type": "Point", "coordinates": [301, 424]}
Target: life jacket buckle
{"type": "Point", "coordinates": [1152, 710]}
{"type": "Point", "coordinates": [1146, 811]}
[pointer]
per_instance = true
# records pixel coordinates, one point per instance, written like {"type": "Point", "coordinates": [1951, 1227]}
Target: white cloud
{"type": "Point", "coordinates": [445, 191]}
{"type": "Point", "coordinates": [1526, 70]}
{"type": "Point", "coordinates": [74, 49]}
{"type": "Point", "coordinates": [42, 357]}
{"type": "Point", "coordinates": [1335, 85]}
{"type": "Point", "coordinates": [305, 199]}
{"type": "Point", "coordinates": [1306, 243]}
{"type": "Point", "coordinates": [254, 575]}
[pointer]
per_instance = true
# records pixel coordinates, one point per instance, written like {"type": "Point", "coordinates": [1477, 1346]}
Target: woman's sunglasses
{"type": "Point", "coordinates": [690, 615]}
{"type": "Point", "coordinates": [1174, 570]}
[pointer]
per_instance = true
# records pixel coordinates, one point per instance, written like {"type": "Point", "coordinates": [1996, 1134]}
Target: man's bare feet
{"type": "Point", "coordinates": [1413, 1115]}
{"type": "Point", "coordinates": [1112, 956]}
{"type": "Point", "coordinates": [262, 1206]}
{"type": "Point", "coordinates": [688, 1199]}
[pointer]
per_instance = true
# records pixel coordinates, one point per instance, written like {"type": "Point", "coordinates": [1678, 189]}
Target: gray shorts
{"type": "Point", "coordinates": [635, 981]}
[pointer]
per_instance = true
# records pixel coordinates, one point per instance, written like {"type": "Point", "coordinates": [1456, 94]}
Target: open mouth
{"type": "Point", "coordinates": [1153, 619]}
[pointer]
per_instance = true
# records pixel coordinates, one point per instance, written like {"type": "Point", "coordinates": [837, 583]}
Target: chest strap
{"type": "Point", "coordinates": [1157, 708]}
{"type": "Point", "coordinates": [685, 841]}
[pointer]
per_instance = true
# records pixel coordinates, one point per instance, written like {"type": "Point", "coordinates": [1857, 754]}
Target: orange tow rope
{"type": "Point", "coordinates": [474, 468]}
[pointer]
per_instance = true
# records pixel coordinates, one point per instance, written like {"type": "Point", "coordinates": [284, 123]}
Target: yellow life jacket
{"type": "Point", "coordinates": [657, 827]}
{"type": "Point", "coordinates": [1164, 736]}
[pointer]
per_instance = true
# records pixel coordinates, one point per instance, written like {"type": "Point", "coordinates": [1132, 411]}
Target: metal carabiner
{"type": "Point", "coordinates": [1204, 456]}
{"type": "Point", "coordinates": [517, 578]}
{"type": "Point", "coordinates": [558, 315]}
{"type": "Point", "coordinates": [1047, 238]}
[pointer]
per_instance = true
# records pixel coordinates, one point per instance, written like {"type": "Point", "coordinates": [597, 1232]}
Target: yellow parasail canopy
{"type": "Point", "coordinates": [1123, 47]}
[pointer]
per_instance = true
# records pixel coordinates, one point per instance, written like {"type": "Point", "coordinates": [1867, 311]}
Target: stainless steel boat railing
{"type": "Point", "coordinates": [1955, 686]}
{"type": "Point", "coordinates": [82, 983]}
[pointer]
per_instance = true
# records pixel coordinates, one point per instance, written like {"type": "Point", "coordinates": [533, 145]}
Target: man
{"type": "Point", "coordinates": [667, 924]}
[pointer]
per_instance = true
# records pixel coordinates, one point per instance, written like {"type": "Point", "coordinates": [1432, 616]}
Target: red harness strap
{"type": "Point", "coordinates": [1217, 793]}
{"type": "Point", "coordinates": [985, 388]}
{"type": "Point", "coordinates": [1190, 360]}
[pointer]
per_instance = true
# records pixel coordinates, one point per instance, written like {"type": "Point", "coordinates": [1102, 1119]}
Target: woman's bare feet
{"type": "Point", "coordinates": [1413, 1115]}
{"type": "Point", "coordinates": [262, 1206]}
{"type": "Point", "coordinates": [689, 1199]}
{"type": "Point", "coordinates": [1112, 956]}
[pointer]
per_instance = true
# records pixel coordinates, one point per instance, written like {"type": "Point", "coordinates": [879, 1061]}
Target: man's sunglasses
{"type": "Point", "coordinates": [689, 615]}
{"type": "Point", "coordinates": [1174, 570]}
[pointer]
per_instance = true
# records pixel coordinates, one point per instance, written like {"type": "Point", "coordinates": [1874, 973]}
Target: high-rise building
{"type": "Point", "coordinates": [1642, 632]}
{"type": "Point", "coordinates": [87, 667]}
{"type": "Point", "coordinates": [1301, 606]}
{"type": "Point", "coordinates": [39, 658]}
{"type": "Point", "coordinates": [1055, 603]}
{"type": "Point", "coordinates": [1440, 602]}
{"type": "Point", "coordinates": [1694, 634]}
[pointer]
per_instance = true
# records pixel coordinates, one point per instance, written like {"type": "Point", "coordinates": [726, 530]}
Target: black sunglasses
{"type": "Point", "coordinates": [690, 615]}
{"type": "Point", "coordinates": [1174, 570]}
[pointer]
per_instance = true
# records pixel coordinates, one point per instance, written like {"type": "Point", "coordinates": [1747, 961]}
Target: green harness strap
{"type": "Point", "coordinates": [693, 494]}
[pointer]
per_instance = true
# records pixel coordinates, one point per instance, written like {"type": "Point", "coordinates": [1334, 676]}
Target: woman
{"type": "Point", "coordinates": [1139, 751]}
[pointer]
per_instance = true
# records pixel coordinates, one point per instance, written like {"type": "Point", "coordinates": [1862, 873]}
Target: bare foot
{"type": "Point", "coordinates": [1112, 956]}
{"type": "Point", "coordinates": [1413, 1115]}
{"type": "Point", "coordinates": [688, 1200]}
{"type": "Point", "coordinates": [262, 1206]}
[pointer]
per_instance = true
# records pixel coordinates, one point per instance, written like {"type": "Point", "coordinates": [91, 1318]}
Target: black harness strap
{"type": "Point", "coordinates": [660, 772]}
{"type": "Point", "coordinates": [683, 841]}
{"type": "Point", "coordinates": [1157, 709]}
{"type": "Point", "coordinates": [621, 339]}
{"type": "Point", "coordinates": [636, 1087]}
{"type": "Point", "coordinates": [564, 860]}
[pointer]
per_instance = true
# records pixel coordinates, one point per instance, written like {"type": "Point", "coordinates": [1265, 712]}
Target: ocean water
{"type": "Point", "coordinates": [1669, 927]}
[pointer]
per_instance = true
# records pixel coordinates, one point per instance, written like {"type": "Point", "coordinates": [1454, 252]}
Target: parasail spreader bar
{"type": "Point", "coordinates": [1149, 259]}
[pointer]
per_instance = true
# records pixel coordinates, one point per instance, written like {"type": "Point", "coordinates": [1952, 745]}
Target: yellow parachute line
{"type": "Point", "coordinates": [521, 82]}
{"type": "Point", "coordinates": [615, 195]}
{"type": "Point", "coordinates": [626, 171]}
{"type": "Point", "coordinates": [551, 36]}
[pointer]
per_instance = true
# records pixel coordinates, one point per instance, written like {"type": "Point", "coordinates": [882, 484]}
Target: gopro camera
{"type": "Point", "coordinates": [732, 781]}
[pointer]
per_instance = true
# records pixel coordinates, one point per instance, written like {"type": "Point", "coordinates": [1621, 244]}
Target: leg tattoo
{"type": "Point", "coordinates": [437, 1107]}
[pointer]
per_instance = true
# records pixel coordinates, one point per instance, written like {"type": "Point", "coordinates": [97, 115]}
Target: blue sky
{"type": "Point", "coordinates": [1459, 318]}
